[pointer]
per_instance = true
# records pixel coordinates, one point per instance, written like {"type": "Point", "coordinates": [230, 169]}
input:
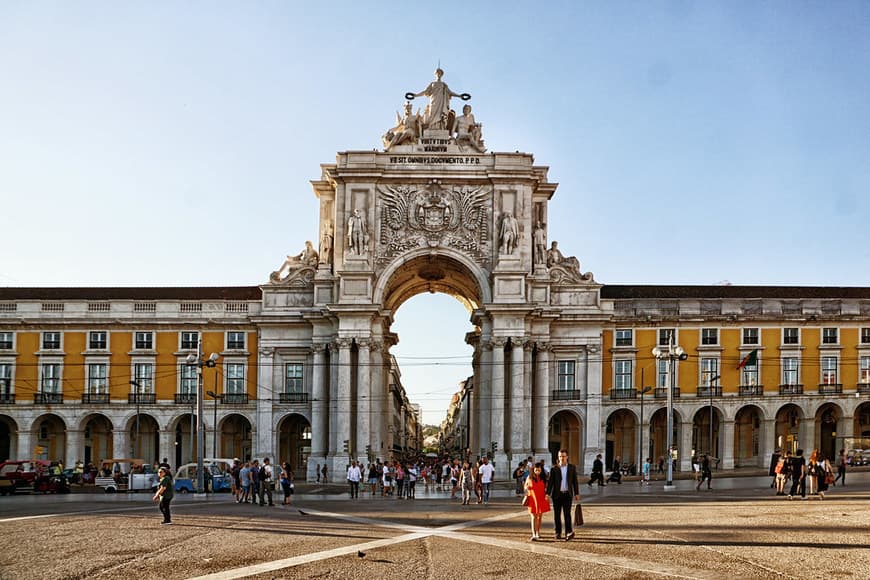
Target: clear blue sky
{"type": "Point", "coordinates": [166, 143]}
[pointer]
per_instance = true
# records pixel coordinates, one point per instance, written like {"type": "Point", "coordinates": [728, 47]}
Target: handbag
{"type": "Point", "coordinates": [829, 478]}
{"type": "Point", "coordinates": [578, 514]}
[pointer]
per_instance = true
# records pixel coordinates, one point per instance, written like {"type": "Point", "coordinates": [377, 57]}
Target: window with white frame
{"type": "Point", "coordinates": [566, 375]}
{"type": "Point", "coordinates": [662, 373]}
{"type": "Point", "coordinates": [143, 373]}
{"type": "Point", "coordinates": [51, 340]}
{"type": "Point", "coordinates": [235, 341]}
{"type": "Point", "coordinates": [235, 373]}
{"type": "Point", "coordinates": [623, 337]}
{"type": "Point", "coordinates": [791, 336]}
{"type": "Point", "coordinates": [829, 370]}
{"type": "Point", "coordinates": [865, 336]}
{"type": "Point", "coordinates": [709, 371]}
{"type": "Point", "coordinates": [709, 336]}
{"type": "Point", "coordinates": [5, 378]}
{"type": "Point", "coordinates": [143, 340]}
{"type": "Point", "coordinates": [6, 339]}
{"type": "Point", "coordinates": [749, 374]}
{"type": "Point", "coordinates": [98, 379]}
{"type": "Point", "coordinates": [623, 375]}
{"type": "Point", "coordinates": [665, 336]}
{"type": "Point", "coordinates": [790, 367]}
{"type": "Point", "coordinates": [864, 370]}
{"type": "Point", "coordinates": [188, 379]}
{"type": "Point", "coordinates": [51, 378]}
{"type": "Point", "coordinates": [750, 336]}
{"type": "Point", "coordinates": [830, 336]}
{"type": "Point", "coordinates": [98, 340]}
{"type": "Point", "coordinates": [293, 378]}
{"type": "Point", "coordinates": [189, 340]}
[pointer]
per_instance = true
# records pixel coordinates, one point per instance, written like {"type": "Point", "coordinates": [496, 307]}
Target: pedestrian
{"type": "Point", "coordinates": [661, 464]}
{"type": "Point", "coordinates": [466, 483]}
{"type": "Point", "coordinates": [597, 471]}
{"type": "Point", "coordinates": [266, 482]}
{"type": "Point", "coordinates": [454, 479]}
{"type": "Point", "coordinates": [841, 468]}
{"type": "Point", "coordinates": [388, 480]}
{"type": "Point", "coordinates": [255, 480]}
{"type": "Point", "coordinates": [535, 488]}
{"type": "Point", "coordinates": [353, 478]}
{"type": "Point", "coordinates": [706, 472]}
{"type": "Point", "coordinates": [616, 473]}
{"type": "Point", "coordinates": [411, 475]}
{"type": "Point", "coordinates": [317, 472]}
{"type": "Point", "coordinates": [644, 480]}
{"type": "Point", "coordinates": [165, 493]}
{"type": "Point", "coordinates": [519, 477]}
{"type": "Point", "coordinates": [373, 478]}
{"type": "Point", "coordinates": [245, 482]}
{"type": "Point", "coordinates": [824, 476]}
{"type": "Point", "coordinates": [324, 471]}
{"type": "Point", "coordinates": [235, 472]}
{"type": "Point", "coordinates": [798, 474]}
{"type": "Point", "coordinates": [813, 472]}
{"type": "Point", "coordinates": [475, 476]}
{"type": "Point", "coordinates": [562, 486]}
{"type": "Point", "coordinates": [487, 474]}
{"type": "Point", "coordinates": [781, 472]}
{"type": "Point", "coordinates": [774, 461]}
{"type": "Point", "coordinates": [286, 482]}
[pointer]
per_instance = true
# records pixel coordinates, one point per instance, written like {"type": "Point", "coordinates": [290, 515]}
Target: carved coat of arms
{"type": "Point", "coordinates": [413, 216]}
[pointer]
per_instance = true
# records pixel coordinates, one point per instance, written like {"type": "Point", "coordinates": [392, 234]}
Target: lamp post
{"type": "Point", "coordinates": [672, 354]}
{"type": "Point", "coordinates": [713, 380]}
{"type": "Point", "coordinates": [214, 396]}
{"type": "Point", "coordinates": [138, 386]}
{"type": "Point", "coordinates": [198, 361]}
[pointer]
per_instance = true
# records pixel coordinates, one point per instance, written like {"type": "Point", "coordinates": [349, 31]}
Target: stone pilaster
{"type": "Point", "coordinates": [541, 402]}
{"type": "Point", "coordinates": [74, 447]}
{"type": "Point", "coordinates": [517, 392]}
{"type": "Point", "coordinates": [342, 406]}
{"type": "Point", "coordinates": [484, 398]}
{"type": "Point", "coordinates": [363, 400]}
{"type": "Point", "coordinates": [594, 426]}
{"type": "Point", "coordinates": [726, 444]}
{"type": "Point", "coordinates": [378, 398]}
{"type": "Point", "coordinates": [264, 435]}
{"type": "Point", "coordinates": [497, 432]}
{"type": "Point", "coordinates": [319, 415]}
{"type": "Point", "coordinates": [684, 445]}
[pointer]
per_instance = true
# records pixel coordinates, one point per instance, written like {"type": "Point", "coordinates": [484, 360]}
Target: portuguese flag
{"type": "Point", "coordinates": [750, 359]}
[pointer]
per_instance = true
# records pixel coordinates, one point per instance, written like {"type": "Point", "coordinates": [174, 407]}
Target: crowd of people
{"type": "Point", "coordinates": [811, 476]}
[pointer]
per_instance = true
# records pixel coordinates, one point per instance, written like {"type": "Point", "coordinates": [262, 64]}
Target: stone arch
{"type": "Point", "coordinates": [565, 431]}
{"type": "Point", "coordinates": [861, 427]}
{"type": "Point", "coordinates": [49, 433]}
{"type": "Point", "coordinates": [748, 432]}
{"type": "Point", "coordinates": [703, 439]}
{"type": "Point", "coordinates": [97, 438]}
{"type": "Point", "coordinates": [828, 418]}
{"type": "Point", "coordinates": [182, 434]}
{"type": "Point", "coordinates": [621, 429]}
{"type": "Point", "coordinates": [8, 438]}
{"type": "Point", "coordinates": [658, 431]}
{"type": "Point", "coordinates": [236, 436]}
{"type": "Point", "coordinates": [789, 427]}
{"type": "Point", "coordinates": [145, 437]}
{"type": "Point", "coordinates": [294, 442]}
{"type": "Point", "coordinates": [433, 270]}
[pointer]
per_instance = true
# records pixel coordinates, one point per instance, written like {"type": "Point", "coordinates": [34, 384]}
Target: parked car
{"type": "Point", "coordinates": [20, 475]}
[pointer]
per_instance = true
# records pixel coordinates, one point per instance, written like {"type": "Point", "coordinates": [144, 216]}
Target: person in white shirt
{"type": "Point", "coordinates": [487, 472]}
{"type": "Point", "coordinates": [354, 475]}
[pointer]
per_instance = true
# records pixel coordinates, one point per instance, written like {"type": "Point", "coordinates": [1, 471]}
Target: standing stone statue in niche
{"type": "Point", "coordinates": [438, 114]}
{"type": "Point", "coordinates": [357, 234]}
{"type": "Point", "coordinates": [509, 234]}
{"type": "Point", "coordinates": [407, 130]}
{"type": "Point", "coordinates": [468, 132]}
{"type": "Point", "coordinates": [539, 236]}
{"type": "Point", "coordinates": [326, 241]}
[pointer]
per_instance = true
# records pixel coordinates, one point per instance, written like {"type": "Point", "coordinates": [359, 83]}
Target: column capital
{"type": "Point", "coordinates": [318, 348]}
{"type": "Point", "coordinates": [544, 346]}
{"type": "Point", "coordinates": [497, 342]}
{"type": "Point", "coordinates": [363, 343]}
{"type": "Point", "coordinates": [377, 346]}
{"type": "Point", "coordinates": [340, 343]}
{"type": "Point", "coordinates": [528, 346]}
{"type": "Point", "coordinates": [517, 341]}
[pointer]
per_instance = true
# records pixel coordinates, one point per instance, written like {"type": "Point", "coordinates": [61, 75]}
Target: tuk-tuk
{"type": "Point", "coordinates": [126, 475]}
{"type": "Point", "coordinates": [217, 476]}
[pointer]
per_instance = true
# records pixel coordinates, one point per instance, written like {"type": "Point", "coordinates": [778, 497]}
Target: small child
{"type": "Point", "coordinates": [646, 467]}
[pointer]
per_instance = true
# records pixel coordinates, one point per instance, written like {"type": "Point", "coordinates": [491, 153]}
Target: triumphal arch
{"type": "Point", "coordinates": [434, 211]}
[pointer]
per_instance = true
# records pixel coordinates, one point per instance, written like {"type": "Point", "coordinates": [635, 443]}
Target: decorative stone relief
{"type": "Point", "coordinates": [297, 270]}
{"type": "Point", "coordinates": [414, 216]}
{"type": "Point", "coordinates": [565, 270]}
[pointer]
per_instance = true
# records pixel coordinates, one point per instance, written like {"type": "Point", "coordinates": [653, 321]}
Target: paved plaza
{"type": "Point", "coordinates": [737, 530]}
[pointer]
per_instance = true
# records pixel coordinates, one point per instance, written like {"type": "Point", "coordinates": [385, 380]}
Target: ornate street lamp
{"type": "Point", "coordinates": [198, 361]}
{"type": "Point", "coordinates": [672, 354]}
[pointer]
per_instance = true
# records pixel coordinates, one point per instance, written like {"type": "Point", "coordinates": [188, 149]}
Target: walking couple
{"type": "Point", "coordinates": [561, 486]}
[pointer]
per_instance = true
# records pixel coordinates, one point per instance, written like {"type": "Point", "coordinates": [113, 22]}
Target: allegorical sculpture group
{"type": "Point", "coordinates": [463, 130]}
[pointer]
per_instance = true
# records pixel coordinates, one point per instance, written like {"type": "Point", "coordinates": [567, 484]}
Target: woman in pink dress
{"type": "Point", "coordinates": [538, 503]}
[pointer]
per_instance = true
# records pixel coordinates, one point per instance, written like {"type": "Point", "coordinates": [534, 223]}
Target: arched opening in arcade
{"type": "Point", "coordinates": [705, 431]}
{"type": "Point", "coordinates": [50, 435]}
{"type": "Point", "coordinates": [235, 438]}
{"type": "Point", "coordinates": [144, 438]}
{"type": "Point", "coordinates": [788, 428]}
{"type": "Point", "coordinates": [827, 419]}
{"type": "Point", "coordinates": [294, 442]}
{"type": "Point", "coordinates": [658, 438]}
{"type": "Point", "coordinates": [8, 438]}
{"type": "Point", "coordinates": [747, 437]}
{"type": "Point", "coordinates": [621, 438]}
{"type": "Point", "coordinates": [184, 428]}
{"type": "Point", "coordinates": [861, 428]}
{"type": "Point", "coordinates": [565, 432]}
{"type": "Point", "coordinates": [96, 440]}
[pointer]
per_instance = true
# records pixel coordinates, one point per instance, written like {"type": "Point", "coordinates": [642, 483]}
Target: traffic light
{"type": "Point", "coordinates": [346, 447]}
{"type": "Point", "coordinates": [494, 446]}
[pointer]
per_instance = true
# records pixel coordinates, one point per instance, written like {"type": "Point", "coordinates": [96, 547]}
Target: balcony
{"type": "Point", "coordinates": [662, 393]}
{"type": "Point", "coordinates": [709, 391]}
{"type": "Point", "coordinates": [235, 399]}
{"type": "Point", "coordinates": [95, 398]}
{"type": "Point", "coordinates": [831, 389]}
{"type": "Point", "coordinates": [791, 389]}
{"type": "Point", "coordinates": [47, 398]}
{"type": "Point", "coordinates": [751, 390]}
{"type": "Point", "coordinates": [567, 395]}
{"type": "Point", "coordinates": [185, 398]}
{"type": "Point", "coordinates": [7, 398]}
{"type": "Point", "coordinates": [864, 388]}
{"type": "Point", "coordinates": [293, 397]}
{"type": "Point", "coordinates": [623, 394]}
{"type": "Point", "coordinates": [143, 398]}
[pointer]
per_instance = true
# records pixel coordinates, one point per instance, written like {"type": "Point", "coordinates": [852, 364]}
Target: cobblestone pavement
{"type": "Point", "coordinates": [737, 530]}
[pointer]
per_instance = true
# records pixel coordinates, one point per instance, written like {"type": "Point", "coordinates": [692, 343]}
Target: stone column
{"type": "Point", "coordinates": [120, 443]}
{"type": "Point", "coordinates": [74, 447]}
{"type": "Point", "coordinates": [26, 443]}
{"type": "Point", "coordinates": [319, 415]}
{"type": "Point", "coordinates": [594, 426]}
{"type": "Point", "coordinates": [517, 392]}
{"type": "Point", "coordinates": [845, 428]}
{"type": "Point", "coordinates": [472, 403]}
{"type": "Point", "coordinates": [684, 449]}
{"type": "Point", "coordinates": [541, 402]}
{"type": "Point", "coordinates": [167, 446]}
{"type": "Point", "coordinates": [726, 444]}
{"type": "Point", "coordinates": [363, 400]}
{"type": "Point", "coordinates": [497, 414]}
{"type": "Point", "coordinates": [342, 407]}
{"type": "Point", "coordinates": [767, 438]}
{"type": "Point", "coordinates": [807, 435]}
{"type": "Point", "coordinates": [528, 406]}
{"type": "Point", "coordinates": [378, 393]}
{"type": "Point", "coordinates": [264, 440]}
{"type": "Point", "coordinates": [484, 397]}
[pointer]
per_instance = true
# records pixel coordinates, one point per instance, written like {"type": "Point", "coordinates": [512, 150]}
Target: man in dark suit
{"type": "Point", "coordinates": [562, 487]}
